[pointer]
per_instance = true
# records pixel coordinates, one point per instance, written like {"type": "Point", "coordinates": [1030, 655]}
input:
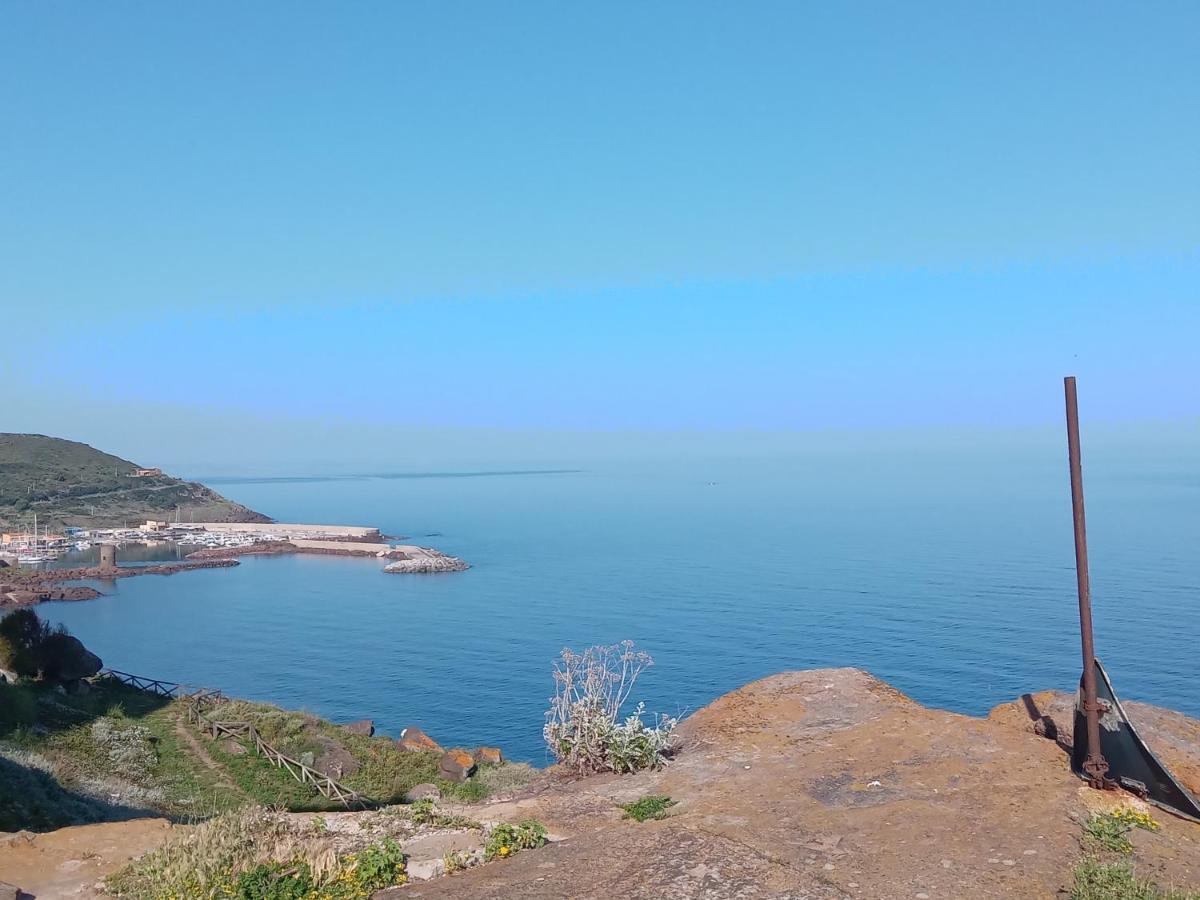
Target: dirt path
{"type": "Point", "coordinates": [71, 861]}
{"type": "Point", "coordinates": [197, 749]}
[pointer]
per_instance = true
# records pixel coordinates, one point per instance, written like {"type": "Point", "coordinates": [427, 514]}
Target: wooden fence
{"type": "Point", "coordinates": [200, 701]}
{"type": "Point", "coordinates": [162, 688]}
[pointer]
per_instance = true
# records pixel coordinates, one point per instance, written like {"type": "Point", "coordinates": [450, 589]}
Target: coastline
{"type": "Point", "coordinates": [18, 589]}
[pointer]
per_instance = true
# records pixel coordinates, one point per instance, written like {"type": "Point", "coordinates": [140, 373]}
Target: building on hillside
{"type": "Point", "coordinates": [145, 473]}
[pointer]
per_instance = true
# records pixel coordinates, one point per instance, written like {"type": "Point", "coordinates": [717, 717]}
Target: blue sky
{"type": "Point", "coordinates": [617, 219]}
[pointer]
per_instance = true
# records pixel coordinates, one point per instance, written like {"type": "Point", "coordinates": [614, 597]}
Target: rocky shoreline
{"type": "Point", "coordinates": [26, 589]}
{"type": "Point", "coordinates": [428, 563]}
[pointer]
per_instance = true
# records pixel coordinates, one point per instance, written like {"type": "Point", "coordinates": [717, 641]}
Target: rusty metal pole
{"type": "Point", "coordinates": [1095, 766]}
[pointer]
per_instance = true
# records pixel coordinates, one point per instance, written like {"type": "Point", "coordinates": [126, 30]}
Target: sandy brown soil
{"type": "Point", "coordinates": [70, 862]}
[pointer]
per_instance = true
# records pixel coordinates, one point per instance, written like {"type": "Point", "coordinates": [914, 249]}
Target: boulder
{"type": "Point", "coordinates": [415, 739]}
{"type": "Point", "coordinates": [9, 892]}
{"type": "Point", "coordinates": [308, 758]}
{"type": "Point", "coordinates": [334, 760]}
{"type": "Point", "coordinates": [69, 660]}
{"type": "Point", "coordinates": [490, 755]}
{"type": "Point", "coordinates": [456, 765]}
{"type": "Point", "coordinates": [423, 792]}
{"type": "Point", "coordinates": [365, 727]}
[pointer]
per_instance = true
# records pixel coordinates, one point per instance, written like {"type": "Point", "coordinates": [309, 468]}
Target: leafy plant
{"type": "Point", "coordinates": [275, 881]}
{"type": "Point", "coordinates": [22, 634]}
{"type": "Point", "coordinates": [506, 839]}
{"type": "Point", "coordinates": [1111, 830]}
{"type": "Point", "coordinates": [1096, 880]}
{"type": "Point", "coordinates": [583, 726]}
{"type": "Point", "coordinates": [381, 865]}
{"type": "Point", "coordinates": [652, 806]}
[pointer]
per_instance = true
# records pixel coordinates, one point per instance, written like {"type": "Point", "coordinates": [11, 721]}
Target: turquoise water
{"type": "Point", "coordinates": [950, 575]}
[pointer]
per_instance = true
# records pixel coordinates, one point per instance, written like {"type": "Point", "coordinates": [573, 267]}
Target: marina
{"type": "Point", "coordinates": [215, 540]}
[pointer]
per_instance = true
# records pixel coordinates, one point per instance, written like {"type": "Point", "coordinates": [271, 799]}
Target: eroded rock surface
{"type": "Point", "coordinates": [823, 784]}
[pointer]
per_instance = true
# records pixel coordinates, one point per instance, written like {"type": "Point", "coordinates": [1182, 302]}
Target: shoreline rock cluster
{"type": "Point", "coordinates": [425, 563]}
{"type": "Point", "coordinates": [456, 764]}
{"type": "Point", "coordinates": [21, 589]}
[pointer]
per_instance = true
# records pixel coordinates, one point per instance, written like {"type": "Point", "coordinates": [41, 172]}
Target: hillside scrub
{"type": "Point", "coordinates": [584, 729]}
{"type": "Point", "coordinates": [69, 483]}
{"type": "Point", "coordinates": [257, 853]}
{"type": "Point", "coordinates": [376, 767]}
{"type": "Point", "coordinates": [31, 648]}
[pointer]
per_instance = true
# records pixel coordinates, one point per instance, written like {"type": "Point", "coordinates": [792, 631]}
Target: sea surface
{"type": "Point", "coordinates": [949, 574]}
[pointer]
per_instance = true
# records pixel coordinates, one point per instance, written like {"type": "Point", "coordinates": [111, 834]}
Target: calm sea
{"type": "Point", "coordinates": [948, 574]}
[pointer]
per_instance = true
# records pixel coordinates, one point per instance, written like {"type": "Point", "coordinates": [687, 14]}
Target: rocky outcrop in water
{"type": "Point", "coordinates": [425, 562]}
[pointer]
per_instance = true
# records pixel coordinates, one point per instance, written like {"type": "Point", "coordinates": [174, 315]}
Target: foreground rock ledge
{"type": "Point", "coordinates": [820, 785]}
{"type": "Point", "coordinates": [828, 784]}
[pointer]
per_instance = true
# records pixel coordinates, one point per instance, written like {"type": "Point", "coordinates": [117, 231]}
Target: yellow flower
{"type": "Point", "coordinates": [504, 851]}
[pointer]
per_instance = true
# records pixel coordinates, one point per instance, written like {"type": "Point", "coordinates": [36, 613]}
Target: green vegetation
{"type": "Point", "coordinates": [68, 483]}
{"type": "Point", "coordinates": [1099, 876]}
{"type": "Point", "coordinates": [505, 840]}
{"type": "Point", "coordinates": [112, 753]}
{"type": "Point", "coordinates": [374, 767]}
{"type": "Point", "coordinates": [652, 806]}
{"type": "Point", "coordinates": [1110, 830]}
{"type": "Point", "coordinates": [424, 812]}
{"type": "Point", "coordinates": [31, 648]}
{"type": "Point", "coordinates": [1096, 880]}
{"type": "Point", "coordinates": [116, 752]}
{"type": "Point", "coordinates": [255, 854]}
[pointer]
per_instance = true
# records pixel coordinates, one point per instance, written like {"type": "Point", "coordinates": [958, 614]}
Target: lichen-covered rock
{"type": "Point", "coordinates": [423, 792]}
{"type": "Point", "coordinates": [491, 755]}
{"type": "Point", "coordinates": [416, 740]}
{"type": "Point", "coordinates": [365, 727]}
{"type": "Point", "coordinates": [456, 765]}
{"type": "Point", "coordinates": [334, 760]}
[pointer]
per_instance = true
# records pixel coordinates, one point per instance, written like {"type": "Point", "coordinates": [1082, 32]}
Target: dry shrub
{"type": "Point", "coordinates": [203, 861]}
{"type": "Point", "coordinates": [584, 729]}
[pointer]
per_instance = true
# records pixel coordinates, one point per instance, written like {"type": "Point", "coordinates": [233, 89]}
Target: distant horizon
{"type": "Point", "coordinates": [406, 233]}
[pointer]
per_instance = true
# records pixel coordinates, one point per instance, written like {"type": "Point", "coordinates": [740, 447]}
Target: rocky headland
{"type": "Point", "coordinates": [68, 483]}
{"type": "Point", "coordinates": [815, 785]}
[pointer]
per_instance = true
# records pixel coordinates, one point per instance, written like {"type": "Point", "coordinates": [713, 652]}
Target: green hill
{"type": "Point", "coordinates": [69, 483]}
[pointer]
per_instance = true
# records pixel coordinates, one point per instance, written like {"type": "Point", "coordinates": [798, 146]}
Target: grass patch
{"type": "Point", "coordinates": [652, 806]}
{"type": "Point", "coordinates": [106, 755]}
{"type": "Point", "coordinates": [1096, 880]}
{"type": "Point", "coordinates": [117, 752]}
{"type": "Point", "coordinates": [506, 840]}
{"type": "Point", "coordinates": [1110, 830]}
{"type": "Point", "coordinates": [385, 771]}
{"type": "Point", "coordinates": [424, 812]}
{"type": "Point", "coordinates": [254, 853]}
